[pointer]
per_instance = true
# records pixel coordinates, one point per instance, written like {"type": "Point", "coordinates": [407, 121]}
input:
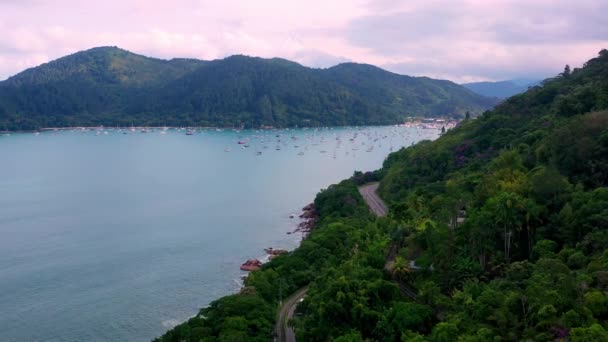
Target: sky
{"type": "Point", "coordinates": [459, 40]}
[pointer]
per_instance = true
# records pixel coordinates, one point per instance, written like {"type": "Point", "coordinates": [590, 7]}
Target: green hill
{"type": "Point", "coordinates": [505, 216]}
{"type": "Point", "coordinates": [110, 86]}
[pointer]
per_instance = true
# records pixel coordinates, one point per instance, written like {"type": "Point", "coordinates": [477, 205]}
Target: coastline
{"type": "Point", "coordinates": [283, 222]}
{"type": "Point", "coordinates": [307, 220]}
{"type": "Point", "coordinates": [419, 122]}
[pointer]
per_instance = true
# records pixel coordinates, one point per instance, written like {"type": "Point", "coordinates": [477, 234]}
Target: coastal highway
{"type": "Point", "coordinates": [377, 206]}
{"type": "Point", "coordinates": [375, 203]}
{"type": "Point", "coordinates": [285, 333]}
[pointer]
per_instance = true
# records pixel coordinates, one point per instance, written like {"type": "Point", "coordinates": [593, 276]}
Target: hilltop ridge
{"type": "Point", "coordinates": [111, 86]}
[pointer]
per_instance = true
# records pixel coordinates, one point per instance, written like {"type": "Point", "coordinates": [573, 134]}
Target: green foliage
{"type": "Point", "coordinates": [404, 317]}
{"type": "Point", "coordinates": [250, 315]}
{"type": "Point", "coordinates": [444, 332]}
{"type": "Point", "coordinates": [594, 333]}
{"type": "Point", "coordinates": [506, 217]}
{"type": "Point", "coordinates": [597, 302]}
{"type": "Point", "coordinates": [113, 87]}
{"type": "Point", "coordinates": [528, 261]}
{"type": "Point", "coordinates": [231, 318]}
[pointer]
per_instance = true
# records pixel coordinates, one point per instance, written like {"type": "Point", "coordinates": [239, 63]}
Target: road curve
{"type": "Point", "coordinates": [375, 203]}
{"type": "Point", "coordinates": [283, 331]}
{"type": "Point", "coordinates": [377, 206]}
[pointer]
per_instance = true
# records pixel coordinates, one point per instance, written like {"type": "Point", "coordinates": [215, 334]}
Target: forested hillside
{"type": "Point", "coordinates": [505, 220]}
{"type": "Point", "coordinates": [112, 87]}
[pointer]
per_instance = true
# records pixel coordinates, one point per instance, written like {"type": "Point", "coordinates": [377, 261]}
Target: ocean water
{"type": "Point", "coordinates": [106, 236]}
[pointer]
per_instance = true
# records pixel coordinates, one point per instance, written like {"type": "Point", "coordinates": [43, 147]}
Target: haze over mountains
{"type": "Point", "coordinates": [501, 89]}
{"type": "Point", "coordinates": [114, 87]}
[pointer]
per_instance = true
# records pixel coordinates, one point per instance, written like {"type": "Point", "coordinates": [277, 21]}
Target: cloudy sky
{"type": "Point", "coordinates": [460, 40]}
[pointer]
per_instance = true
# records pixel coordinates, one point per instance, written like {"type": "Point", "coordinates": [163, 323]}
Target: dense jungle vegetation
{"type": "Point", "coordinates": [505, 216]}
{"type": "Point", "coordinates": [113, 87]}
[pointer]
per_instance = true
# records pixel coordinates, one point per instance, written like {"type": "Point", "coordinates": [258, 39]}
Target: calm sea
{"type": "Point", "coordinates": [106, 236]}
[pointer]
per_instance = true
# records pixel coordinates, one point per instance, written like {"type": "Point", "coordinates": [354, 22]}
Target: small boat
{"type": "Point", "coordinates": [189, 133]}
{"type": "Point", "coordinates": [242, 142]}
{"type": "Point", "coordinates": [301, 153]}
{"type": "Point", "coordinates": [258, 153]}
{"type": "Point", "coordinates": [227, 149]}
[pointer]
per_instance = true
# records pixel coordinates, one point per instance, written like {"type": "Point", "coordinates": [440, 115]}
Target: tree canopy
{"type": "Point", "coordinates": [505, 219]}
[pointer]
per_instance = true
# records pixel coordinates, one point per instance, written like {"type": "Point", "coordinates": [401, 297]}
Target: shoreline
{"type": "Point", "coordinates": [307, 221]}
{"type": "Point", "coordinates": [419, 122]}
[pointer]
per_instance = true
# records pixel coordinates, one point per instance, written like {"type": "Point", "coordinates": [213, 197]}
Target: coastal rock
{"type": "Point", "coordinates": [309, 207]}
{"type": "Point", "coordinates": [275, 251]}
{"type": "Point", "coordinates": [251, 265]}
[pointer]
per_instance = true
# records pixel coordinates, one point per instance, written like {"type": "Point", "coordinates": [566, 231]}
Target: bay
{"type": "Point", "coordinates": [114, 235]}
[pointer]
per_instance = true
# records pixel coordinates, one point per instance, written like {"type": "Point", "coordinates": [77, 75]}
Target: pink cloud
{"type": "Point", "coordinates": [459, 40]}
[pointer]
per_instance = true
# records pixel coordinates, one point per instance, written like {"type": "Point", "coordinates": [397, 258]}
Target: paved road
{"type": "Point", "coordinates": [378, 207]}
{"type": "Point", "coordinates": [374, 202]}
{"type": "Point", "coordinates": [284, 332]}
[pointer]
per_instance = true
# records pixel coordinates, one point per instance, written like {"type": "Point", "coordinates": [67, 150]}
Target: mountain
{"type": "Point", "coordinates": [501, 89]}
{"type": "Point", "coordinates": [110, 86]}
{"type": "Point", "coordinates": [497, 231]}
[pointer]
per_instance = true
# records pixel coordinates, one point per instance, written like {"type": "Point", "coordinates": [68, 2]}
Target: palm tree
{"type": "Point", "coordinates": [401, 269]}
{"type": "Point", "coordinates": [508, 209]}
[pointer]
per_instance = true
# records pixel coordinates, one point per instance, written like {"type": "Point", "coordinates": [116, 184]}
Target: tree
{"type": "Point", "coordinates": [597, 302]}
{"type": "Point", "coordinates": [545, 248]}
{"type": "Point", "coordinates": [592, 334]}
{"type": "Point", "coordinates": [401, 269]}
{"type": "Point", "coordinates": [567, 71]}
{"type": "Point", "coordinates": [353, 336]}
{"type": "Point", "coordinates": [508, 210]}
{"type": "Point", "coordinates": [444, 332]}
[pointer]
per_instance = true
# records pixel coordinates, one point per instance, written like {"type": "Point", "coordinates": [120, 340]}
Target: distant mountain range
{"type": "Point", "coordinates": [114, 87]}
{"type": "Point", "coordinates": [501, 89]}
